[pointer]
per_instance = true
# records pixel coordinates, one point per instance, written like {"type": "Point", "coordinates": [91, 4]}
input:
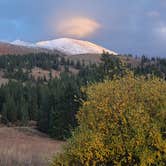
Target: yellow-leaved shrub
{"type": "Point", "coordinates": [122, 122]}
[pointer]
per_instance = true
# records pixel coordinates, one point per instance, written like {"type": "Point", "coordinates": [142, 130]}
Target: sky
{"type": "Point", "coordinates": [125, 26]}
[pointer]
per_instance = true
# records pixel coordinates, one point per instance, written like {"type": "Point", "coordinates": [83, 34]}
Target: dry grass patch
{"type": "Point", "coordinates": [26, 147]}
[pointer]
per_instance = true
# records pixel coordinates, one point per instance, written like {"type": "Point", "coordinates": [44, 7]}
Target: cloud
{"type": "Point", "coordinates": [77, 27]}
{"type": "Point", "coordinates": [161, 31]}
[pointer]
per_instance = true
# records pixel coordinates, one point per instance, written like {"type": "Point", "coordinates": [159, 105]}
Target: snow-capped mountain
{"type": "Point", "coordinates": [73, 47]}
{"type": "Point", "coordinates": [65, 46]}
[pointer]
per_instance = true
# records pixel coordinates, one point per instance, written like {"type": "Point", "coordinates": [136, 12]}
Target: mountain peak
{"type": "Point", "coordinates": [67, 46]}
{"type": "Point", "coordinates": [73, 46]}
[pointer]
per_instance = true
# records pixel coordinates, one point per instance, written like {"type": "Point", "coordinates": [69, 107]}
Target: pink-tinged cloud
{"type": "Point", "coordinates": [77, 27]}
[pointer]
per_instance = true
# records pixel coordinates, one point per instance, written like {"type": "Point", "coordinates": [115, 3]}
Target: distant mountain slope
{"type": "Point", "coordinates": [23, 43]}
{"type": "Point", "coordinates": [73, 47]}
{"type": "Point", "coordinates": [62, 46]}
{"type": "Point", "coordinates": [8, 48]}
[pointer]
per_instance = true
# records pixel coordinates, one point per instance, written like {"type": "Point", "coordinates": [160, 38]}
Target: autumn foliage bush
{"type": "Point", "coordinates": [122, 122]}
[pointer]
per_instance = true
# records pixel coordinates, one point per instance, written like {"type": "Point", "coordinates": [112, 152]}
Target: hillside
{"type": "Point", "coordinates": [8, 48]}
{"type": "Point", "coordinates": [62, 46]}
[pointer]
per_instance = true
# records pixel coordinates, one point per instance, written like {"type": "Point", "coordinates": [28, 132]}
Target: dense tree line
{"type": "Point", "coordinates": [52, 105]}
{"type": "Point", "coordinates": [18, 103]}
{"type": "Point", "coordinates": [155, 66]}
{"type": "Point", "coordinates": [43, 60]}
{"type": "Point", "coordinates": [19, 67]}
{"type": "Point", "coordinates": [111, 66]}
{"type": "Point", "coordinates": [60, 101]}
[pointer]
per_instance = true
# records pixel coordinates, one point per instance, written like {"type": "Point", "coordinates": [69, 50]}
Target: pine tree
{"type": "Point", "coordinates": [44, 110]}
{"type": "Point", "coordinates": [11, 110]}
{"type": "Point", "coordinates": [24, 111]}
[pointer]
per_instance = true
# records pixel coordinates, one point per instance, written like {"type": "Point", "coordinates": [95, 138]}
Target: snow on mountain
{"type": "Point", "coordinates": [23, 43]}
{"type": "Point", "coordinates": [73, 47]}
{"type": "Point", "coordinates": [66, 45]}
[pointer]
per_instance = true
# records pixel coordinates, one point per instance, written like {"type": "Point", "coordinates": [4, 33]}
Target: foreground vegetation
{"type": "Point", "coordinates": [122, 122]}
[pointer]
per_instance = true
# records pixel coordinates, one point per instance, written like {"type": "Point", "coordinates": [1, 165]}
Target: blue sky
{"type": "Point", "coordinates": [125, 26]}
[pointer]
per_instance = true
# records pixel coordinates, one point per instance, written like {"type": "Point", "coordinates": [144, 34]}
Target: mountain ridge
{"type": "Point", "coordinates": [73, 46]}
{"type": "Point", "coordinates": [63, 46]}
